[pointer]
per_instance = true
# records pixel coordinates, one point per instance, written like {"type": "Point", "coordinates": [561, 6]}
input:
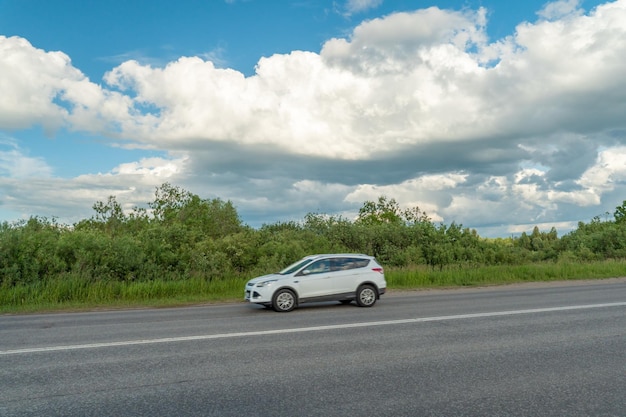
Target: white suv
{"type": "Point", "coordinates": [338, 277]}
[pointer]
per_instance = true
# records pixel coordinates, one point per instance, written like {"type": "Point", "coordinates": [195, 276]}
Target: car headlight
{"type": "Point", "coordinates": [265, 283]}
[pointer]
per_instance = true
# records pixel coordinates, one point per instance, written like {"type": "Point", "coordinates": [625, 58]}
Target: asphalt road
{"type": "Point", "coordinates": [528, 350]}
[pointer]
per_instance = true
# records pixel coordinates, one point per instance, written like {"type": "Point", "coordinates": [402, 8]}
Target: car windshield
{"type": "Point", "coordinates": [295, 266]}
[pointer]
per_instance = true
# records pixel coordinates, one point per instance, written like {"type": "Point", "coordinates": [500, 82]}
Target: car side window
{"type": "Point", "coordinates": [317, 267]}
{"type": "Point", "coordinates": [339, 264]}
{"type": "Point", "coordinates": [344, 264]}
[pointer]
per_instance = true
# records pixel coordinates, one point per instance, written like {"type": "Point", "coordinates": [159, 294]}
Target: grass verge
{"type": "Point", "coordinates": [457, 276]}
{"type": "Point", "coordinates": [74, 293]}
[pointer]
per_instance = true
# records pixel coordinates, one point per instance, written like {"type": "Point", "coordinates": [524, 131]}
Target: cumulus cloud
{"type": "Point", "coordinates": [419, 106]}
{"type": "Point", "coordinates": [43, 88]}
{"type": "Point", "coordinates": [403, 80]}
{"type": "Point", "coordinates": [31, 81]}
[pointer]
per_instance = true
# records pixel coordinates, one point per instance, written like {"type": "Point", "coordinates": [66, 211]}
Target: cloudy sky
{"type": "Point", "coordinates": [494, 114]}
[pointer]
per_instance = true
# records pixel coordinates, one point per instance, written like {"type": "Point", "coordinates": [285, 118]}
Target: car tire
{"type": "Point", "coordinates": [366, 296]}
{"type": "Point", "coordinates": [284, 300]}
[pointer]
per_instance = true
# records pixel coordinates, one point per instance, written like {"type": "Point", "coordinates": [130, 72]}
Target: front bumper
{"type": "Point", "coordinates": [259, 295]}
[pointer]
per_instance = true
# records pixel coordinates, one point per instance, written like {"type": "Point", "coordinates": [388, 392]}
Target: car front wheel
{"type": "Point", "coordinates": [366, 296]}
{"type": "Point", "coordinates": [284, 300]}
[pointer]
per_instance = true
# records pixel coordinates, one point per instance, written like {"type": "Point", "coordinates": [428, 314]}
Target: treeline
{"type": "Point", "coordinates": [183, 236]}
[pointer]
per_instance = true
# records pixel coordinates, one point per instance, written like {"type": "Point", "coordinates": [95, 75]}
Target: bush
{"type": "Point", "coordinates": [184, 237]}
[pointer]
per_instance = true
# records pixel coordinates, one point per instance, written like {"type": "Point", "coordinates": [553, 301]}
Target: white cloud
{"type": "Point", "coordinates": [15, 162]}
{"type": "Point", "coordinates": [31, 81]}
{"type": "Point", "coordinates": [405, 79]}
{"type": "Point", "coordinates": [70, 200]}
{"type": "Point", "coordinates": [608, 172]}
{"type": "Point", "coordinates": [430, 193]}
{"type": "Point", "coordinates": [43, 88]}
{"type": "Point", "coordinates": [560, 9]}
{"type": "Point", "coordinates": [357, 6]}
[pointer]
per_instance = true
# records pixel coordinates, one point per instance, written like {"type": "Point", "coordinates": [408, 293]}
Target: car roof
{"type": "Point", "coordinates": [339, 255]}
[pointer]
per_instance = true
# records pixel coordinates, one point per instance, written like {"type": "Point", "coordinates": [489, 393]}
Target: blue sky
{"type": "Point", "coordinates": [497, 115]}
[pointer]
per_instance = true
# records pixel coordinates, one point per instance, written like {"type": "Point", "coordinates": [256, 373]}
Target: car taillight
{"type": "Point", "coordinates": [379, 270]}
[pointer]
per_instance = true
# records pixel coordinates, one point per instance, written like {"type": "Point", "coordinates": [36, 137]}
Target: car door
{"type": "Point", "coordinates": [315, 280]}
{"type": "Point", "coordinates": [347, 274]}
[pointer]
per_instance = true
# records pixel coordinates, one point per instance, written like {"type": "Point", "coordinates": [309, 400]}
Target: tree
{"type": "Point", "coordinates": [620, 213]}
{"type": "Point", "coordinates": [168, 201]}
{"type": "Point", "coordinates": [109, 211]}
{"type": "Point", "coordinates": [379, 212]}
{"type": "Point", "coordinates": [109, 217]}
{"type": "Point", "coordinates": [174, 206]}
{"type": "Point", "coordinates": [415, 216]}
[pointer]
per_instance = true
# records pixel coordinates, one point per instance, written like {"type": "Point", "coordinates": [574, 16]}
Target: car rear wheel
{"type": "Point", "coordinates": [284, 300]}
{"type": "Point", "coordinates": [366, 296]}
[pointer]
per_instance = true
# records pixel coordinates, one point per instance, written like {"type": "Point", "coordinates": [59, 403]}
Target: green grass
{"type": "Point", "coordinates": [456, 276]}
{"type": "Point", "coordinates": [74, 293]}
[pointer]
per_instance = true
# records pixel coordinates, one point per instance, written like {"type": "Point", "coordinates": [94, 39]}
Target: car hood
{"type": "Point", "coordinates": [265, 278]}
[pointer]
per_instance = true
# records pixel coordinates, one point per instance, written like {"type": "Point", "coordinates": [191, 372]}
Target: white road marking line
{"type": "Point", "coordinates": [307, 329]}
